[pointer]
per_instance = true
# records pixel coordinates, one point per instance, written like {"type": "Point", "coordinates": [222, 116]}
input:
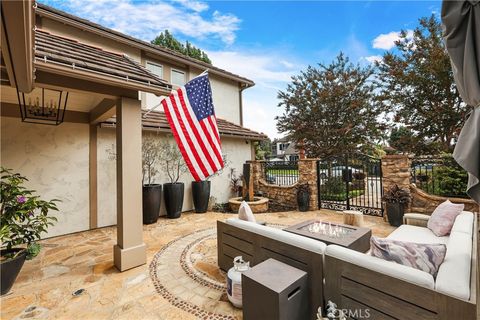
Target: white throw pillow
{"type": "Point", "coordinates": [245, 213]}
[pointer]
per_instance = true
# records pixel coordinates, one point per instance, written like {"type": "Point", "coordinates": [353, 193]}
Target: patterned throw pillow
{"type": "Point", "coordinates": [443, 218]}
{"type": "Point", "coordinates": [245, 213]}
{"type": "Point", "coordinates": [425, 257]}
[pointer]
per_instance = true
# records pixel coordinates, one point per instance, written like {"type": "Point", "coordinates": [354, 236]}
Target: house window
{"type": "Point", "coordinates": [178, 78]}
{"type": "Point", "coordinates": [156, 69]}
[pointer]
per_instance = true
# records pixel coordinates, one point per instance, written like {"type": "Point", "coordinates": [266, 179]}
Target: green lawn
{"type": "Point", "coordinates": [342, 196]}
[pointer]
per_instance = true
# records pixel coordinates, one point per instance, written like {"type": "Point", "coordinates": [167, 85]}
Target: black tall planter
{"type": "Point", "coordinates": [303, 200]}
{"type": "Point", "coordinates": [173, 195]}
{"type": "Point", "coordinates": [152, 198]}
{"type": "Point", "coordinates": [201, 195]}
{"type": "Point", "coordinates": [395, 213]}
{"type": "Point", "coordinates": [9, 269]}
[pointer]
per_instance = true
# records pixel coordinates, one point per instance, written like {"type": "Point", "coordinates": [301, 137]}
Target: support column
{"type": "Point", "coordinates": [130, 251]}
{"type": "Point", "coordinates": [93, 177]}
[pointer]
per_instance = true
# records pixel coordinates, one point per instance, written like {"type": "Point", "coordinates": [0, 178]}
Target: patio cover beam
{"type": "Point", "coordinates": [103, 111]}
{"type": "Point", "coordinates": [47, 79]}
{"type": "Point", "coordinates": [18, 21]}
{"type": "Point", "coordinates": [130, 251]}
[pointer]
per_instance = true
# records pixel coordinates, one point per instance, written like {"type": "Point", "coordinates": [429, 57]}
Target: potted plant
{"type": "Point", "coordinates": [303, 197]}
{"type": "Point", "coordinates": [173, 192]}
{"type": "Point", "coordinates": [235, 183]}
{"type": "Point", "coordinates": [23, 218]}
{"type": "Point", "coordinates": [201, 190]}
{"type": "Point", "coordinates": [396, 200]}
{"type": "Point", "coordinates": [151, 192]}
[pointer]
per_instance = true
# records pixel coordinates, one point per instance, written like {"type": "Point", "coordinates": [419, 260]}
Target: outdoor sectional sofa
{"type": "Point", "coordinates": [257, 243]}
{"type": "Point", "coordinates": [358, 281]}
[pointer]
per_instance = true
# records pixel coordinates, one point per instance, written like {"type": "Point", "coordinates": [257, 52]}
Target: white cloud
{"type": "Point", "coordinates": [260, 67]}
{"type": "Point", "coordinates": [146, 20]}
{"type": "Point", "coordinates": [373, 59]}
{"type": "Point", "coordinates": [386, 41]}
{"type": "Point", "coordinates": [270, 72]}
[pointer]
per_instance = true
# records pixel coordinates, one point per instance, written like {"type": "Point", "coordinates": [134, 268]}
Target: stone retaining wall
{"type": "Point", "coordinates": [287, 195]}
{"type": "Point", "coordinates": [396, 169]}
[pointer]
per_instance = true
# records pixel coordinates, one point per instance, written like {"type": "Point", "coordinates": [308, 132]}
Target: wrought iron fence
{"type": "Point", "coordinates": [283, 173]}
{"type": "Point", "coordinates": [439, 175]}
{"type": "Point", "coordinates": [350, 181]}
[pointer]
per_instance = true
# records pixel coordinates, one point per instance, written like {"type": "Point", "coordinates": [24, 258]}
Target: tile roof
{"type": "Point", "coordinates": [157, 121]}
{"type": "Point", "coordinates": [57, 50]}
{"type": "Point", "coordinates": [51, 12]}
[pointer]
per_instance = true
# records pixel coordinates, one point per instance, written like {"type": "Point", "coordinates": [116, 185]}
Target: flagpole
{"type": "Point", "coordinates": [158, 105]}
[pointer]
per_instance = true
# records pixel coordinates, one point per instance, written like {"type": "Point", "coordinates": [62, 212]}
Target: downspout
{"type": "Point", "coordinates": [240, 100]}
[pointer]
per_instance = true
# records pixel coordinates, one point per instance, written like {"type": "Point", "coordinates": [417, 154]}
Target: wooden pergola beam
{"type": "Point", "coordinates": [102, 111]}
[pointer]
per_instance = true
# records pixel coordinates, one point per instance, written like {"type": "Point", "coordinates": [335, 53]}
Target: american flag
{"type": "Point", "coordinates": [190, 113]}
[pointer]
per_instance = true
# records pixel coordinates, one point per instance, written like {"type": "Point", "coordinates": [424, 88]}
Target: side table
{"type": "Point", "coordinates": [273, 290]}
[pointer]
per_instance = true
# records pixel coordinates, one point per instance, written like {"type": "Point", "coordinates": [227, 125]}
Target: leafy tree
{"type": "Point", "coordinates": [402, 139]}
{"type": "Point", "coordinates": [167, 40]}
{"type": "Point", "coordinates": [416, 84]}
{"type": "Point", "coordinates": [263, 149]}
{"type": "Point", "coordinates": [330, 108]}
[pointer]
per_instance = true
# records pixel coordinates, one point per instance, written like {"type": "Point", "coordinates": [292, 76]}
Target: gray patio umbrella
{"type": "Point", "coordinates": [461, 22]}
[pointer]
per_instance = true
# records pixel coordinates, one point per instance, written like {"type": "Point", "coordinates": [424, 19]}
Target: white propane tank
{"type": "Point", "coordinates": [234, 281]}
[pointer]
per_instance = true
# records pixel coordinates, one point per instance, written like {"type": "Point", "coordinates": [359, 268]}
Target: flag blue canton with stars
{"type": "Point", "coordinates": [200, 97]}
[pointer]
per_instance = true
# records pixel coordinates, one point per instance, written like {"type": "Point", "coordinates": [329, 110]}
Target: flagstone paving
{"type": "Point", "coordinates": [179, 281]}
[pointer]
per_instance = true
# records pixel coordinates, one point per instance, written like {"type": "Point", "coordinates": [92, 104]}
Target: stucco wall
{"type": "Point", "coordinates": [237, 151]}
{"type": "Point", "coordinates": [55, 160]}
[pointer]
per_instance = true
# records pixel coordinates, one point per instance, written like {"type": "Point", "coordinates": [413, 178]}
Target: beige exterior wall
{"type": "Point", "coordinates": [237, 151]}
{"type": "Point", "coordinates": [226, 97]}
{"type": "Point", "coordinates": [55, 160]}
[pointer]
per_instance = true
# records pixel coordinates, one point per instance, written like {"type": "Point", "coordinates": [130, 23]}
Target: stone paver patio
{"type": "Point", "coordinates": [183, 281]}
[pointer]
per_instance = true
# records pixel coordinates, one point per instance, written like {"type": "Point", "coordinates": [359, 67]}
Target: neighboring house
{"type": "Point", "coordinates": [284, 150]}
{"type": "Point", "coordinates": [73, 161]}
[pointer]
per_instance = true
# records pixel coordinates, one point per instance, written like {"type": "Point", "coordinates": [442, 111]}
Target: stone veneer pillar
{"type": "Point", "coordinates": [396, 169]}
{"type": "Point", "coordinates": [307, 170]}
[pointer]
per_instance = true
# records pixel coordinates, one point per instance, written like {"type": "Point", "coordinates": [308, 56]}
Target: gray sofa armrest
{"type": "Point", "coordinates": [416, 219]}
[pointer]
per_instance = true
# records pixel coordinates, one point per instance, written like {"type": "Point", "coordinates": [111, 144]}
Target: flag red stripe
{"type": "Point", "coordinates": [215, 129]}
{"type": "Point", "coordinates": [179, 141]}
{"type": "Point", "coordinates": [188, 138]}
{"type": "Point", "coordinates": [201, 142]}
{"type": "Point", "coordinates": [212, 143]}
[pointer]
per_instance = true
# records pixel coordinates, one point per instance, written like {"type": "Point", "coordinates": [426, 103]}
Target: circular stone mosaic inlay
{"type": "Point", "coordinates": [186, 274]}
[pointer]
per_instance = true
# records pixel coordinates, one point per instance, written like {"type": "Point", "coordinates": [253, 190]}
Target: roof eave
{"type": "Point", "coordinates": [99, 77]}
{"type": "Point", "coordinates": [108, 124]}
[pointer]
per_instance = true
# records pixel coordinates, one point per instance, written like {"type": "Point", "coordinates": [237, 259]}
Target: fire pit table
{"type": "Point", "coordinates": [355, 238]}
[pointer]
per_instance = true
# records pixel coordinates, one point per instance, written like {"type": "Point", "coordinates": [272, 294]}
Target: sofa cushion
{"type": "Point", "coordinates": [280, 235]}
{"type": "Point", "coordinates": [425, 257]}
{"type": "Point", "coordinates": [443, 217]}
{"type": "Point", "coordinates": [453, 276]}
{"type": "Point", "coordinates": [388, 268]}
{"type": "Point", "coordinates": [416, 234]}
{"type": "Point", "coordinates": [245, 213]}
{"type": "Point", "coordinates": [464, 223]}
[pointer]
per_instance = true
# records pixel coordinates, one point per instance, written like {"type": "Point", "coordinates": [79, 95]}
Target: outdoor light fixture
{"type": "Point", "coordinates": [43, 106]}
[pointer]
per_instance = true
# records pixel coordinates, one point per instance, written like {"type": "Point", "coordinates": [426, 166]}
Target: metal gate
{"type": "Point", "coordinates": [350, 182]}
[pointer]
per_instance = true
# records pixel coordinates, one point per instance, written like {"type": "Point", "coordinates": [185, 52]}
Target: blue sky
{"type": "Point", "coordinates": [265, 41]}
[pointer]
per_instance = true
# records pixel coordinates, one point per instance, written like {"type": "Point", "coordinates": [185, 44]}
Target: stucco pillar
{"type": "Point", "coordinates": [130, 251]}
